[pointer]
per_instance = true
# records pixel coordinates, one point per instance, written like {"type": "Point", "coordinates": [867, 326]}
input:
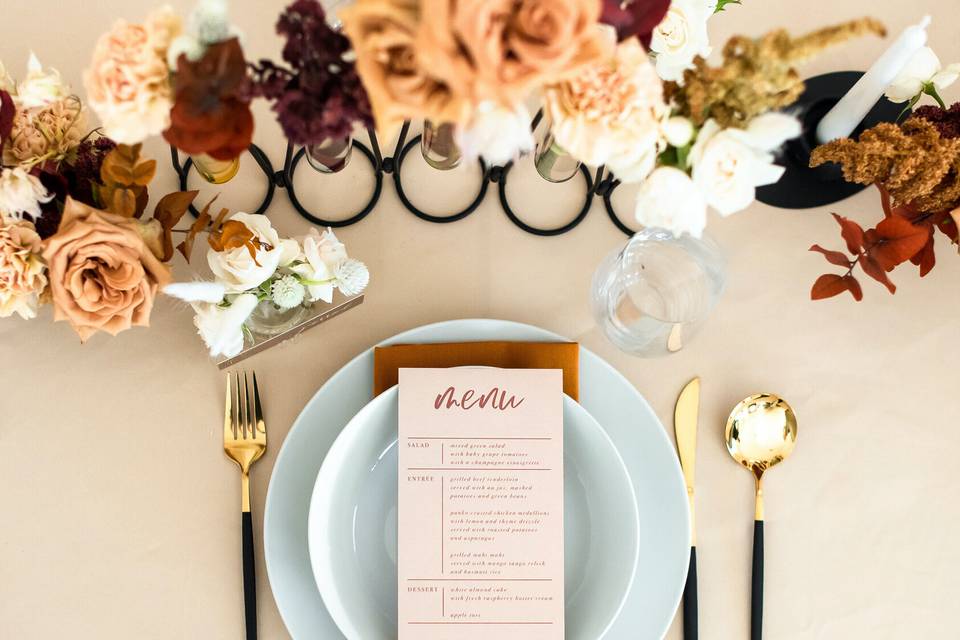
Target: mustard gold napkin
{"type": "Point", "coordinates": [387, 361]}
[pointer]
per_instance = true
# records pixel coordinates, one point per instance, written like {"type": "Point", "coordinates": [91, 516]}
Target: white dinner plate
{"type": "Point", "coordinates": [627, 418]}
{"type": "Point", "coordinates": [352, 529]}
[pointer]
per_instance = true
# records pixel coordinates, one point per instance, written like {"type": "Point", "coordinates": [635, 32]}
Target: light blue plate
{"type": "Point", "coordinates": [609, 397]}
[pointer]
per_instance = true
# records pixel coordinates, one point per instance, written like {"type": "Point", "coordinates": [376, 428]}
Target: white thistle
{"type": "Point", "coordinates": [287, 292]}
{"type": "Point", "coordinates": [352, 277]}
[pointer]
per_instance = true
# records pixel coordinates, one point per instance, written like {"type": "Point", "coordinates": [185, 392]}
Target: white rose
{"type": "Point", "coordinates": [680, 37]}
{"type": "Point", "coordinates": [40, 87]}
{"type": "Point", "coordinates": [728, 164]}
{"type": "Point", "coordinates": [222, 327]}
{"type": "Point", "coordinates": [321, 257]}
{"type": "Point", "coordinates": [922, 69]}
{"type": "Point", "coordinates": [669, 199]}
{"type": "Point", "coordinates": [496, 133]}
{"type": "Point", "coordinates": [21, 193]}
{"type": "Point", "coordinates": [240, 271]}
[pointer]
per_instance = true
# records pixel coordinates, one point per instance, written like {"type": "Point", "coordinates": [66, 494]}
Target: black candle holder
{"type": "Point", "coordinates": [597, 185]}
{"type": "Point", "coordinates": [801, 186]}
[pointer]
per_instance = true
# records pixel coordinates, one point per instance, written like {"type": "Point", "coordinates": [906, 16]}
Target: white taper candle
{"type": "Point", "coordinates": [853, 107]}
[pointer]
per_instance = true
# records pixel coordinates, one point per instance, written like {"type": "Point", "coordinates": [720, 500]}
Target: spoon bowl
{"type": "Point", "coordinates": [761, 433]}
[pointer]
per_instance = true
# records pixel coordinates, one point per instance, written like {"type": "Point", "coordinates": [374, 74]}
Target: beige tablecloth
{"type": "Point", "coordinates": [120, 513]}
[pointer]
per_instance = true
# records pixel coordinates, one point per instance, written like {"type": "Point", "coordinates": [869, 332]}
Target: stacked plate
{"type": "Point", "coordinates": [330, 525]}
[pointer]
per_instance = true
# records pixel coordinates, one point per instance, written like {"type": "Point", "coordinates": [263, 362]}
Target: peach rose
{"type": "Point", "coordinates": [399, 83]}
{"type": "Point", "coordinates": [513, 46]}
{"type": "Point", "coordinates": [128, 82]}
{"type": "Point", "coordinates": [21, 269]}
{"type": "Point", "coordinates": [102, 275]}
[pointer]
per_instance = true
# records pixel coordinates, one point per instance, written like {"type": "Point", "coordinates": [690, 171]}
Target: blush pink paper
{"type": "Point", "coordinates": [480, 539]}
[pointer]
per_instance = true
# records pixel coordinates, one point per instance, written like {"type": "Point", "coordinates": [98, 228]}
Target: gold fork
{"type": "Point", "coordinates": [244, 441]}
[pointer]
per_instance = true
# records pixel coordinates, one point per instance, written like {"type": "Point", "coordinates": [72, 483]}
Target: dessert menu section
{"type": "Point", "coordinates": [480, 540]}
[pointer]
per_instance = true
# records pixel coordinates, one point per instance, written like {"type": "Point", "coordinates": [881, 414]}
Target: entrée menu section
{"type": "Point", "coordinates": [480, 540]}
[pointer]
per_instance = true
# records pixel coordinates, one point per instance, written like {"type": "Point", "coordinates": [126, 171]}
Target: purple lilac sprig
{"type": "Point", "coordinates": [320, 95]}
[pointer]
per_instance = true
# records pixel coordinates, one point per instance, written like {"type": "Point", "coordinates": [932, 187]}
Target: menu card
{"type": "Point", "coordinates": [480, 539]}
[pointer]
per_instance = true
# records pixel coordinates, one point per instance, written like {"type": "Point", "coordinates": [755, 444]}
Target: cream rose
{"type": "Point", "coordinates": [102, 275]}
{"type": "Point", "coordinates": [680, 37]}
{"type": "Point", "coordinates": [22, 269]}
{"type": "Point", "coordinates": [728, 164]}
{"type": "Point", "coordinates": [921, 70]}
{"type": "Point", "coordinates": [239, 271]}
{"type": "Point", "coordinates": [668, 199]}
{"type": "Point", "coordinates": [128, 82]}
{"type": "Point", "coordinates": [317, 265]}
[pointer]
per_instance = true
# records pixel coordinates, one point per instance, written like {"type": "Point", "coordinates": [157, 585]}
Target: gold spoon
{"type": "Point", "coordinates": [761, 432]}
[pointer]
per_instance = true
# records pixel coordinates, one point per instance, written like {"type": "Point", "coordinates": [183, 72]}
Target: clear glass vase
{"type": "Point", "coordinates": [268, 319]}
{"type": "Point", "coordinates": [553, 162]}
{"type": "Point", "coordinates": [331, 155]}
{"type": "Point", "coordinates": [215, 171]}
{"type": "Point", "coordinates": [439, 146]}
{"type": "Point", "coordinates": [651, 297]}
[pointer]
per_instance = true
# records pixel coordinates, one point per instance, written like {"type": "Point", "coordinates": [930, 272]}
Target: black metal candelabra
{"type": "Point", "coordinates": [601, 184]}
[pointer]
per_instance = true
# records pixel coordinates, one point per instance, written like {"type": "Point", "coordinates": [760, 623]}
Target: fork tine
{"type": "Point", "coordinates": [237, 408]}
{"type": "Point", "coordinates": [228, 416]}
{"type": "Point", "coordinates": [260, 427]}
{"type": "Point", "coordinates": [246, 409]}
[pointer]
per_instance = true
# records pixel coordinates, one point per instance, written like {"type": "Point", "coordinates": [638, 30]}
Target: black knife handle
{"type": "Point", "coordinates": [690, 599]}
{"type": "Point", "coordinates": [249, 578]}
{"type": "Point", "coordinates": [756, 609]}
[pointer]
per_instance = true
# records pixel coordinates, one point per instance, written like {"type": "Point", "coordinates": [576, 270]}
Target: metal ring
{"type": "Point", "coordinates": [183, 174]}
{"type": "Point", "coordinates": [288, 183]}
{"type": "Point", "coordinates": [613, 214]}
{"type": "Point", "coordinates": [424, 215]}
{"type": "Point", "coordinates": [546, 232]}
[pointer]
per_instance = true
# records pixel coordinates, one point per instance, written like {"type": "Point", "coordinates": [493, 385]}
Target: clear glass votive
{"type": "Point", "coordinates": [553, 163]}
{"type": "Point", "coordinates": [651, 297]}
{"type": "Point", "coordinates": [215, 171]}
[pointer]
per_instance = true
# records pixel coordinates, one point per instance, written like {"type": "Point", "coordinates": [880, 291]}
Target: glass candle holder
{"type": "Point", "coordinates": [267, 319]}
{"type": "Point", "coordinates": [651, 297]}
{"type": "Point", "coordinates": [553, 162]}
{"type": "Point", "coordinates": [331, 155]}
{"type": "Point", "coordinates": [439, 147]}
{"type": "Point", "coordinates": [215, 171]}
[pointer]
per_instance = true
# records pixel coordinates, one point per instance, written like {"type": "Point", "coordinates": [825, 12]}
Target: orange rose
{"type": "Point", "coordinates": [400, 84]}
{"type": "Point", "coordinates": [102, 275]}
{"type": "Point", "coordinates": [512, 46]}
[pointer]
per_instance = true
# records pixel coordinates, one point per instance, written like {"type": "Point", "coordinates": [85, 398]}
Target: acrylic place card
{"type": "Point", "coordinates": [480, 539]}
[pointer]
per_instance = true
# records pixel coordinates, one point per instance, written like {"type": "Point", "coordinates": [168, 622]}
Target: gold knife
{"type": "Point", "coordinates": [685, 426]}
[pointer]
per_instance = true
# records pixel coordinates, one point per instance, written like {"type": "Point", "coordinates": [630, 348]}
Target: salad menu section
{"type": "Point", "coordinates": [480, 540]}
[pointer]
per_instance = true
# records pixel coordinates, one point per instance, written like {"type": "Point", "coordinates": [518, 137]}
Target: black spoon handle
{"type": "Point", "coordinates": [690, 599]}
{"type": "Point", "coordinates": [756, 609]}
{"type": "Point", "coordinates": [249, 578]}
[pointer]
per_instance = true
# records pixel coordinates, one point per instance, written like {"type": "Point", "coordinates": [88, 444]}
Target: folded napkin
{"type": "Point", "coordinates": [387, 361]}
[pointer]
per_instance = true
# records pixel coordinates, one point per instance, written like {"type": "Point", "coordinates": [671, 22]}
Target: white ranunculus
{"type": "Point", "coordinates": [40, 88]}
{"type": "Point", "coordinates": [922, 69]}
{"type": "Point", "coordinates": [21, 193]}
{"type": "Point", "coordinates": [680, 37]}
{"type": "Point", "coordinates": [668, 199]}
{"type": "Point", "coordinates": [321, 257]}
{"type": "Point", "coordinates": [222, 327]}
{"type": "Point", "coordinates": [196, 291]}
{"type": "Point", "coordinates": [240, 271]}
{"type": "Point", "coordinates": [729, 164]}
{"type": "Point", "coordinates": [496, 133]}
{"type": "Point", "coordinates": [678, 131]}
